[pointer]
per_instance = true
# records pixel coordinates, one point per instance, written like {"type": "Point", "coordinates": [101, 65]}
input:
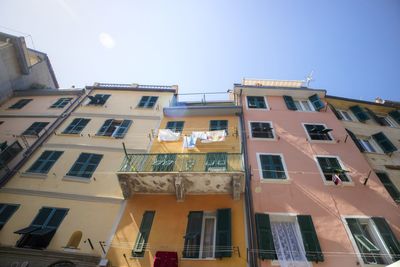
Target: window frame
{"type": "Point", "coordinates": [371, 141]}
{"type": "Point", "coordinates": [2, 209]}
{"type": "Point", "coordinates": [327, 182]}
{"type": "Point", "coordinates": [300, 102]}
{"type": "Point", "coordinates": [392, 123]}
{"type": "Point", "coordinates": [274, 138]}
{"type": "Point", "coordinates": [350, 115]}
{"type": "Point", "coordinates": [208, 215]}
{"type": "Point", "coordinates": [272, 180]}
{"type": "Point", "coordinates": [27, 132]}
{"type": "Point", "coordinates": [89, 103]}
{"type": "Point", "coordinates": [376, 234]}
{"type": "Point", "coordinates": [267, 108]}
{"type": "Point", "coordinates": [86, 163]}
{"type": "Point", "coordinates": [73, 130]}
{"type": "Point", "coordinates": [44, 162]}
{"type": "Point", "coordinates": [16, 105]}
{"type": "Point", "coordinates": [317, 141]}
{"type": "Point", "coordinates": [227, 126]}
{"type": "Point", "coordinates": [180, 130]}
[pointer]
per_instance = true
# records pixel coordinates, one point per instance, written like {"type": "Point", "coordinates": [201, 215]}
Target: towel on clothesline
{"type": "Point", "coordinates": [166, 135]}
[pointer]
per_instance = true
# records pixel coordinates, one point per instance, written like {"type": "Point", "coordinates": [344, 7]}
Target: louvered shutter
{"type": "Point", "coordinates": [289, 102]}
{"type": "Point", "coordinates": [193, 235]}
{"type": "Point", "coordinates": [316, 101]}
{"type": "Point", "coordinates": [310, 238]}
{"type": "Point", "coordinates": [388, 237]}
{"type": "Point", "coordinates": [105, 127]}
{"type": "Point", "coordinates": [361, 115]}
{"type": "Point", "coordinates": [122, 129]}
{"type": "Point", "coordinates": [265, 241]}
{"type": "Point", "coordinates": [223, 233]}
{"type": "Point", "coordinates": [355, 140]}
{"type": "Point", "coordinates": [384, 142]}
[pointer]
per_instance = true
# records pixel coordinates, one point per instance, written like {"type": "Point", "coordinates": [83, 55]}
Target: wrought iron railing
{"type": "Point", "coordinates": [183, 162]}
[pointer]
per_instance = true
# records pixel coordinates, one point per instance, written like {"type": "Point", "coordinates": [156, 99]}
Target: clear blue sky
{"type": "Point", "coordinates": [352, 46]}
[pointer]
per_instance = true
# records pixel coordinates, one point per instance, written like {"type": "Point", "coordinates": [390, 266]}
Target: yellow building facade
{"type": "Point", "coordinates": [68, 195]}
{"type": "Point", "coordinates": [185, 204]}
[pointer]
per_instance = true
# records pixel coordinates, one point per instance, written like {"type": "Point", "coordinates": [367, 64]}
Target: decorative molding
{"type": "Point", "coordinates": [68, 196]}
{"type": "Point", "coordinates": [236, 187]}
{"type": "Point", "coordinates": [115, 116]}
{"type": "Point", "coordinates": [97, 148]}
{"type": "Point", "coordinates": [179, 188]}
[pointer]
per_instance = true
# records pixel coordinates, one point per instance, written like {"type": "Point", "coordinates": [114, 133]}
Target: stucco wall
{"type": "Point", "coordinates": [169, 227]}
{"type": "Point", "coordinates": [305, 192]}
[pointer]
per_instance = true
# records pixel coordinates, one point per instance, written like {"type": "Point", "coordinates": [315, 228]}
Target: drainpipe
{"type": "Point", "coordinates": [248, 196]}
{"type": "Point", "coordinates": [39, 142]}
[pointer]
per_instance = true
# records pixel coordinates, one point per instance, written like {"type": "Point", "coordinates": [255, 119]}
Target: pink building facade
{"type": "Point", "coordinates": [297, 150]}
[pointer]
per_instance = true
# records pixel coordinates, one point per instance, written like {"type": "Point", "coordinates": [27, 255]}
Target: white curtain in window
{"type": "Point", "coordinates": [288, 244]}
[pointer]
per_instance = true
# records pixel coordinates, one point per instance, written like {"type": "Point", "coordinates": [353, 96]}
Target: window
{"type": "Point", "coordinates": [216, 161]}
{"type": "Point", "coordinates": [6, 211]}
{"type": "Point", "coordinates": [261, 130]}
{"type": "Point", "coordinates": [44, 163]}
{"type": "Point", "coordinates": [366, 143]}
{"type": "Point", "coordinates": [360, 113]}
{"type": "Point", "coordinates": [276, 233]}
{"type": "Point", "coordinates": [42, 229]}
{"type": "Point", "coordinates": [76, 126]}
{"type": "Point", "coordinates": [217, 125]}
{"type": "Point", "coordinates": [345, 115]}
{"type": "Point", "coordinates": [85, 165]}
{"type": "Point", "coordinates": [175, 126]}
{"type": "Point", "coordinates": [395, 115]}
{"type": "Point", "coordinates": [303, 105]}
{"type": "Point", "coordinates": [390, 187]}
{"type": "Point", "coordinates": [331, 166]}
{"type": "Point", "coordinates": [147, 101]}
{"type": "Point", "coordinates": [35, 128]}
{"type": "Point", "coordinates": [164, 163]}
{"type": "Point", "coordinates": [389, 122]}
{"type": "Point", "coordinates": [20, 104]}
{"type": "Point", "coordinates": [256, 102]}
{"type": "Point", "coordinates": [98, 99]}
{"type": "Point", "coordinates": [386, 145]}
{"type": "Point", "coordinates": [318, 132]}
{"type": "Point", "coordinates": [208, 235]}
{"type": "Point", "coordinates": [272, 167]}
{"type": "Point", "coordinates": [143, 235]}
{"type": "Point", "coordinates": [8, 153]}
{"type": "Point", "coordinates": [114, 128]}
{"type": "Point", "coordinates": [62, 102]}
{"type": "Point", "coordinates": [316, 102]}
{"type": "Point", "coordinates": [373, 236]}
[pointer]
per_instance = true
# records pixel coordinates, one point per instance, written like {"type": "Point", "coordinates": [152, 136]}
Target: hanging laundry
{"type": "Point", "coordinates": [166, 135]}
{"type": "Point", "coordinates": [189, 142]}
{"type": "Point", "coordinates": [336, 179]}
{"type": "Point", "coordinates": [214, 136]}
{"type": "Point", "coordinates": [200, 135]}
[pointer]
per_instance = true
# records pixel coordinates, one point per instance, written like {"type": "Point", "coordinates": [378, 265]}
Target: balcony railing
{"type": "Point", "coordinates": [183, 162]}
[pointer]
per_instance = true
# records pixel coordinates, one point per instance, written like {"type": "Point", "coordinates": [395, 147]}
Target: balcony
{"type": "Point", "coordinates": [182, 173]}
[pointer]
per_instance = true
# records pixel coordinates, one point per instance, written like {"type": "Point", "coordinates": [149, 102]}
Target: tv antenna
{"type": "Point", "coordinates": [309, 78]}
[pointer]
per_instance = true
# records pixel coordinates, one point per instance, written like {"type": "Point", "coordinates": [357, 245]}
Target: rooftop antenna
{"type": "Point", "coordinates": [309, 78]}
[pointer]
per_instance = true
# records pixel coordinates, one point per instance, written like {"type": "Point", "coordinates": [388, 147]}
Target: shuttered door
{"type": "Point", "coordinates": [316, 101]}
{"type": "Point", "coordinates": [224, 234]}
{"type": "Point", "coordinates": [143, 235]}
{"type": "Point", "coordinates": [361, 115]}
{"type": "Point", "coordinates": [265, 241]}
{"type": "Point", "coordinates": [390, 187]}
{"type": "Point", "coordinates": [193, 235]}
{"type": "Point", "coordinates": [384, 142]}
{"type": "Point", "coordinates": [310, 239]}
{"type": "Point", "coordinates": [388, 237]}
{"type": "Point", "coordinates": [289, 102]}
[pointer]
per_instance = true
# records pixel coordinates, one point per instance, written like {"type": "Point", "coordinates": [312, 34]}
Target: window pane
{"type": "Point", "coordinates": [306, 105]}
{"type": "Point", "coordinates": [208, 238]}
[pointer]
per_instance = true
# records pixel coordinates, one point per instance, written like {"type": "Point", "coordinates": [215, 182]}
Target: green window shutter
{"type": "Point", "coordinates": [388, 237]}
{"type": "Point", "coordinates": [355, 140]}
{"type": "Point", "coordinates": [143, 235]}
{"type": "Point", "coordinates": [310, 238]}
{"type": "Point", "coordinates": [223, 242]}
{"type": "Point", "coordinates": [330, 166]}
{"type": "Point", "coordinates": [44, 163]}
{"type": "Point", "coordinates": [256, 102]}
{"type": "Point", "coordinates": [147, 101]}
{"type": "Point", "coordinates": [217, 125]}
{"type": "Point", "coordinates": [122, 129]}
{"type": "Point", "coordinates": [337, 114]}
{"type": "Point", "coordinates": [105, 127]}
{"type": "Point", "coordinates": [6, 211]}
{"type": "Point", "coordinates": [216, 161]}
{"type": "Point", "coordinates": [61, 103]}
{"type": "Point", "coordinates": [377, 119]}
{"type": "Point", "coordinates": [76, 126]}
{"type": "Point", "coordinates": [85, 165]}
{"type": "Point", "coordinates": [289, 102]}
{"type": "Point", "coordinates": [272, 167]}
{"type": "Point", "coordinates": [390, 187]}
{"type": "Point", "coordinates": [361, 115]}
{"type": "Point", "coordinates": [395, 114]}
{"type": "Point", "coordinates": [143, 101]}
{"type": "Point", "coordinates": [20, 104]}
{"type": "Point", "coordinates": [175, 126]}
{"type": "Point", "coordinates": [35, 128]}
{"type": "Point", "coordinates": [164, 163]}
{"type": "Point", "coordinates": [316, 101]}
{"type": "Point", "coordinates": [265, 241]}
{"type": "Point", "coordinates": [384, 142]}
{"type": "Point", "coordinates": [193, 235]}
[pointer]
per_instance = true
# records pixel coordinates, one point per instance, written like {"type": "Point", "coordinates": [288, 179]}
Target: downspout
{"type": "Point", "coordinates": [248, 196]}
{"type": "Point", "coordinates": [39, 142]}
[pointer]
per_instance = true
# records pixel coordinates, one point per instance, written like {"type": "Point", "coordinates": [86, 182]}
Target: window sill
{"type": "Point", "coordinates": [76, 179]}
{"type": "Point", "coordinates": [276, 263]}
{"type": "Point", "coordinates": [258, 109]}
{"type": "Point", "coordinates": [199, 259]}
{"type": "Point", "coordinates": [34, 175]}
{"type": "Point", "coordinates": [275, 181]}
{"type": "Point", "coordinates": [333, 141]}
{"type": "Point", "coordinates": [329, 183]}
{"type": "Point", "coordinates": [70, 134]}
{"type": "Point", "coordinates": [263, 139]}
